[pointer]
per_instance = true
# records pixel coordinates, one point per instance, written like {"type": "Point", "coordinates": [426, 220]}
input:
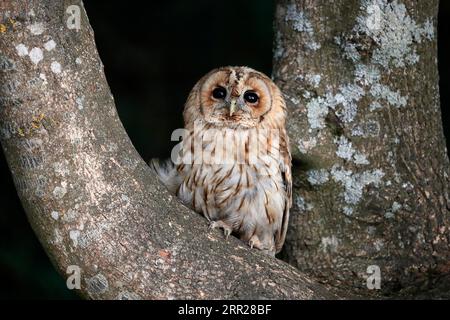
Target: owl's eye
{"type": "Point", "coordinates": [251, 96]}
{"type": "Point", "coordinates": [219, 93]}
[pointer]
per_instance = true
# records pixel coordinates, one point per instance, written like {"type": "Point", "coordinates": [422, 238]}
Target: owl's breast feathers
{"type": "Point", "coordinates": [227, 181]}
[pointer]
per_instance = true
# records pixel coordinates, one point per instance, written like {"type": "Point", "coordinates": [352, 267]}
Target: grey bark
{"type": "Point", "coordinates": [370, 164]}
{"type": "Point", "coordinates": [90, 198]}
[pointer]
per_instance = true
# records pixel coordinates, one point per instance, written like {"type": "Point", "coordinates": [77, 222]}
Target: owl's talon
{"type": "Point", "coordinates": [227, 230]}
{"type": "Point", "coordinates": [255, 243]}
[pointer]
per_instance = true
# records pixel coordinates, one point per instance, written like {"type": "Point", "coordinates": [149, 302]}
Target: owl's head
{"type": "Point", "coordinates": [235, 97]}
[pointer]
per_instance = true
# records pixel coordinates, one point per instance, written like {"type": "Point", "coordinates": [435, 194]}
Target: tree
{"type": "Point", "coordinates": [96, 205]}
{"type": "Point", "coordinates": [372, 172]}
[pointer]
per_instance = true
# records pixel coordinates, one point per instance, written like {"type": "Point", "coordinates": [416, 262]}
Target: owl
{"type": "Point", "coordinates": [234, 164]}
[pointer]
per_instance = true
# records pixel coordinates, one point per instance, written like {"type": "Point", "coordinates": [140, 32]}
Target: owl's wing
{"type": "Point", "coordinates": [166, 173]}
{"type": "Point", "coordinates": [285, 168]}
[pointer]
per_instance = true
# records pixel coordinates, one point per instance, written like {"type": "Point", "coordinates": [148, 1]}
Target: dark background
{"type": "Point", "coordinates": [153, 55]}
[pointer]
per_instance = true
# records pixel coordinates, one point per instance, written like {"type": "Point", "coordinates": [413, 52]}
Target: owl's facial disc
{"type": "Point", "coordinates": [234, 97]}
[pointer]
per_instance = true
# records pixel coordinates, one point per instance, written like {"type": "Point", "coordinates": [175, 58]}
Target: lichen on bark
{"type": "Point", "coordinates": [373, 130]}
{"type": "Point", "coordinates": [370, 167]}
{"type": "Point", "coordinates": [90, 198]}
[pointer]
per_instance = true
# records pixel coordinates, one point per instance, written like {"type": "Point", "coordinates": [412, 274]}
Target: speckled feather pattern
{"type": "Point", "coordinates": [244, 190]}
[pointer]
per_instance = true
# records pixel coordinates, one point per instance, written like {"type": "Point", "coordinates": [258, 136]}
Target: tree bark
{"type": "Point", "coordinates": [90, 198]}
{"type": "Point", "coordinates": [371, 168]}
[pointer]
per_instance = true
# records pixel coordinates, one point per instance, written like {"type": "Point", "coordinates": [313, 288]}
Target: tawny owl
{"type": "Point", "coordinates": [234, 164]}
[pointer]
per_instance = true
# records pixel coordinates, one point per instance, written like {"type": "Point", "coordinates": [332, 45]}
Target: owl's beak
{"type": "Point", "coordinates": [232, 107]}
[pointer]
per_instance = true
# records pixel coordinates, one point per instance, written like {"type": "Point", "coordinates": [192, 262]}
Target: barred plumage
{"type": "Point", "coordinates": [235, 166]}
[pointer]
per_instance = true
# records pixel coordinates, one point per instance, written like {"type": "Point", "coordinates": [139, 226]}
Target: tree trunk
{"type": "Point", "coordinates": [92, 201]}
{"type": "Point", "coordinates": [371, 169]}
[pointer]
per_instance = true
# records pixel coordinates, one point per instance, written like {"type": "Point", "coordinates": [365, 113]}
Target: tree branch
{"type": "Point", "coordinates": [90, 198]}
{"type": "Point", "coordinates": [372, 173]}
